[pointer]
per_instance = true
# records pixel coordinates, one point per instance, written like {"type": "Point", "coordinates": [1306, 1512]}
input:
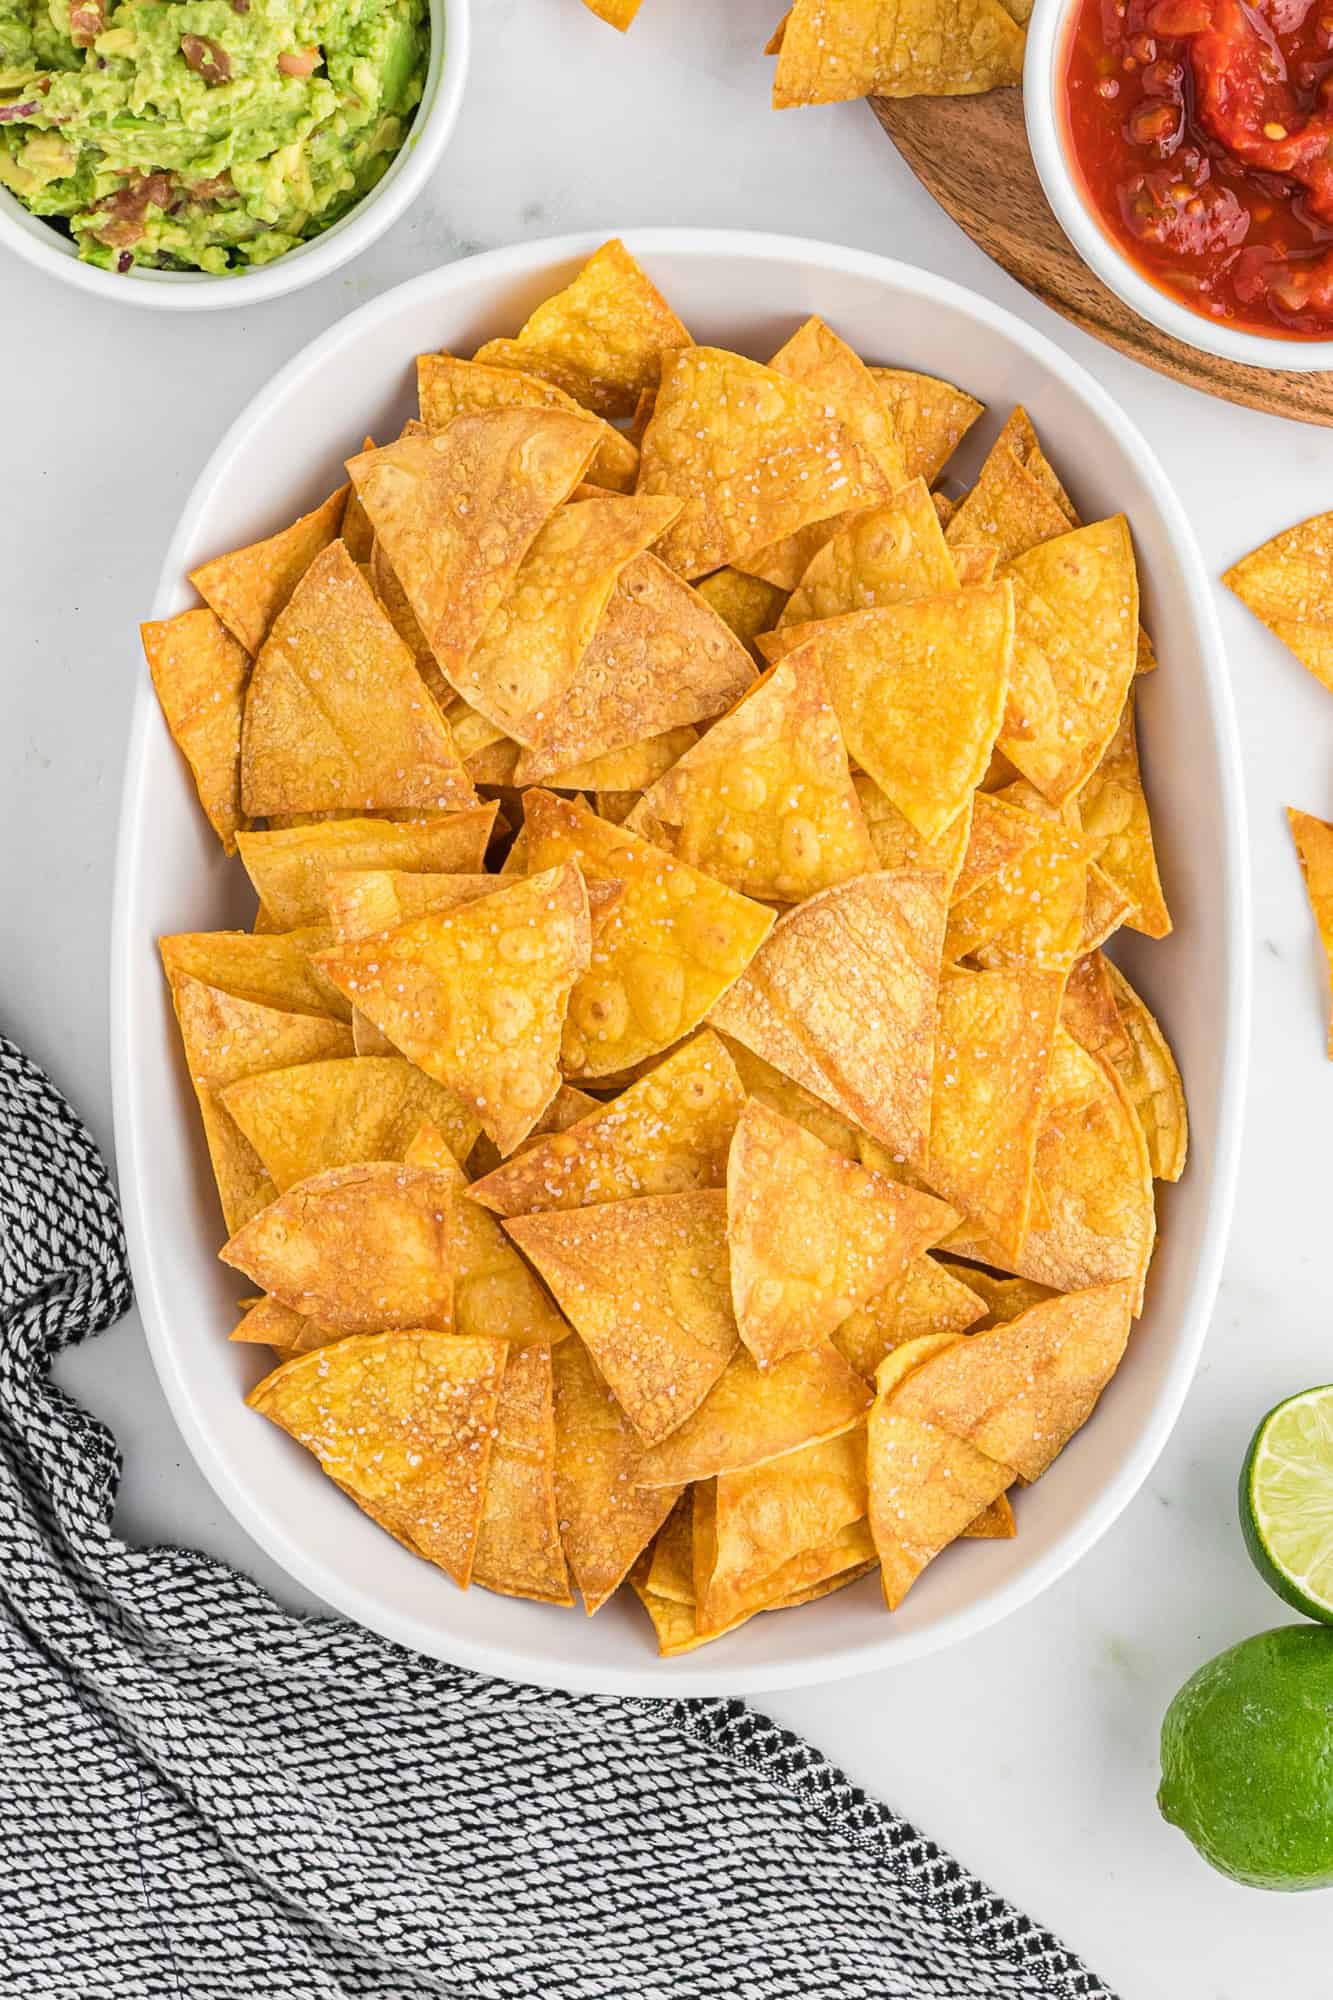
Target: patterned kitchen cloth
{"type": "Point", "coordinates": [204, 1795]}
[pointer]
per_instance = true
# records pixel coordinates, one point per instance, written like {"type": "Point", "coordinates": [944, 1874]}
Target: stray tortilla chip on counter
{"type": "Point", "coordinates": [747, 604]}
{"type": "Point", "coordinates": [290, 867]}
{"type": "Point", "coordinates": [645, 1283]}
{"type": "Point", "coordinates": [476, 996]}
{"type": "Point", "coordinates": [667, 1133]}
{"type": "Point", "coordinates": [1288, 585]}
{"type": "Point", "coordinates": [606, 1519]}
{"type": "Point", "coordinates": [365, 1248]}
{"type": "Point", "coordinates": [448, 387]}
{"type": "Point", "coordinates": [1150, 1076]}
{"type": "Point", "coordinates": [930, 418]}
{"type": "Point", "coordinates": [813, 1236]}
{"type": "Point", "coordinates": [928, 1298]}
{"type": "Point", "coordinates": [200, 672]}
{"type": "Point", "coordinates": [248, 588]}
{"type": "Point", "coordinates": [518, 1542]}
{"type": "Point", "coordinates": [604, 338]}
{"type": "Point", "coordinates": [842, 997]}
{"type": "Point", "coordinates": [667, 951]}
{"type": "Point", "coordinates": [884, 555]}
{"type": "Point", "coordinates": [403, 1422]}
{"type": "Point", "coordinates": [754, 1414]}
{"type": "Point", "coordinates": [1114, 813]}
{"type": "Point", "coordinates": [273, 969]}
{"type": "Point", "coordinates": [833, 50]}
{"type": "Point", "coordinates": [317, 1115]}
{"type": "Point", "coordinates": [765, 801]}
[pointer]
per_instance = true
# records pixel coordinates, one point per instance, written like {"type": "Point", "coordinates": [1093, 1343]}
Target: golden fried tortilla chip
{"type": "Point", "coordinates": [645, 1283]}
{"type": "Point", "coordinates": [754, 1414]}
{"type": "Point", "coordinates": [200, 674]}
{"type": "Point", "coordinates": [403, 1422]}
{"type": "Point", "coordinates": [1288, 585]}
{"type": "Point", "coordinates": [1003, 1298]}
{"type": "Point", "coordinates": [927, 1486]}
{"type": "Point", "coordinates": [606, 1519]}
{"type": "Point", "coordinates": [363, 1248]}
{"type": "Point", "coordinates": [357, 534]}
{"type": "Point", "coordinates": [665, 1134]}
{"type": "Point", "coordinates": [813, 1236]}
{"type": "Point", "coordinates": [747, 604]}
{"type": "Point", "coordinates": [660, 659]}
{"type": "Point", "coordinates": [671, 1572]}
{"type": "Point", "coordinates": [666, 952]}
{"type": "Point", "coordinates": [365, 901]}
{"type": "Point", "coordinates": [897, 843]}
{"type": "Point", "coordinates": [926, 1299]}
{"type": "Point", "coordinates": [1089, 1011]}
{"type": "Point", "coordinates": [999, 836]}
{"type": "Point", "coordinates": [760, 1080]}
{"type": "Point", "coordinates": [1030, 910]}
{"type": "Point", "coordinates": [456, 511]}
{"type": "Point", "coordinates": [1114, 814]}
{"type": "Point", "coordinates": [842, 1000]}
{"type": "Point", "coordinates": [317, 1115]}
{"type": "Point", "coordinates": [616, 13]}
{"type": "Point", "coordinates": [995, 1523]}
{"type": "Point", "coordinates": [1019, 436]}
{"type": "Point", "coordinates": [1104, 911]}
{"type": "Point", "coordinates": [765, 801]}
{"type": "Point", "coordinates": [476, 995]}
{"type": "Point", "coordinates": [1008, 509]}
{"type": "Point", "coordinates": [290, 867]}
{"type": "Point", "coordinates": [270, 1323]}
{"type": "Point", "coordinates": [837, 49]}
{"type": "Point", "coordinates": [1149, 1074]}
{"type": "Point", "coordinates": [518, 1543]}
{"type": "Point", "coordinates": [974, 563]}
{"type": "Point", "coordinates": [992, 1058]}
{"type": "Point", "coordinates": [632, 768]}
{"type": "Point", "coordinates": [884, 555]}
{"type": "Point", "coordinates": [447, 388]}
{"type": "Point", "coordinates": [273, 968]}
{"type": "Point", "coordinates": [720, 1607]}
{"type": "Point", "coordinates": [930, 418]}
{"type": "Point", "coordinates": [248, 588]}
{"type": "Point", "coordinates": [770, 1513]}
{"type": "Point", "coordinates": [752, 455]}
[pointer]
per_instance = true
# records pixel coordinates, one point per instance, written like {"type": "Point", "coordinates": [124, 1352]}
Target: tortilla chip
{"type": "Point", "coordinates": [248, 588]}
{"type": "Point", "coordinates": [747, 604]}
{"type": "Point", "coordinates": [1150, 1077]}
{"type": "Point", "coordinates": [752, 455]}
{"type": "Point", "coordinates": [200, 674]}
{"type": "Point", "coordinates": [318, 1115]}
{"type": "Point", "coordinates": [1104, 911]}
{"type": "Point", "coordinates": [364, 901]}
{"type": "Point", "coordinates": [671, 1571]}
{"type": "Point", "coordinates": [448, 388]}
{"type": "Point", "coordinates": [803, 1576]}
{"type": "Point", "coordinates": [974, 563]}
{"type": "Point", "coordinates": [897, 843]}
{"type": "Point", "coordinates": [518, 1544]}
{"type": "Point", "coordinates": [604, 339]}
{"type": "Point", "coordinates": [336, 714]}
{"type": "Point", "coordinates": [606, 1518]}
{"type": "Point", "coordinates": [1114, 813]}
{"type": "Point", "coordinates": [927, 1486]}
{"type": "Point", "coordinates": [765, 800]}
{"type": "Point", "coordinates": [616, 13]}
{"type": "Point", "coordinates": [632, 768]}
{"type": "Point", "coordinates": [565, 1109]}
{"type": "Point", "coordinates": [403, 1422]}
{"type": "Point", "coordinates": [773, 46]}
{"type": "Point", "coordinates": [842, 1000]}
{"type": "Point", "coordinates": [1288, 585]}
{"type": "Point", "coordinates": [667, 1133]}
{"type": "Point", "coordinates": [1003, 1298]}
{"type": "Point", "coordinates": [770, 1513]}
{"type": "Point", "coordinates": [364, 1248]}
{"type": "Point", "coordinates": [534, 641]}
{"type": "Point", "coordinates": [992, 1058]}
{"type": "Point", "coordinates": [755, 1414]}
{"type": "Point", "coordinates": [930, 418]}
{"type": "Point", "coordinates": [1030, 911]}
{"type": "Point", "coordinates": [270, 1323]}
{"type": "Point", "coordinates": [456, 512]}
{"type": "Point", "coordinates": [645, 1283]}
{"type": "Point", "coordinates": [667, 952]}
{"type": "Point", "coordinates": [812, 1235]}
{"type": "Point", "coordinates": [995, 1523]}
{"type": "Point", "coordinates": [1089, 1011]}
{"type": "Point", "coordinates": [660, 659]}
{"type": "Point", "coordinates": [1019, 436]}
{"type": "Point", "coordinates": [926, 1299]}
{"type": "Point", "coordinates": [357, 534]}
{"type": "Point", "coordinates": [882, 556]}
{"type": "Point", "coordinates": [838, 49]}
{"type": "Point", "coordinates": [1008, 509]}
{"type": "Point", "coordinates": [290, 868]}
{"type": "Point", "coordinates": [476, 995]}
{"type": "Point", "coordinates": [999, 836]}
{"type": "Point", "coordinates": [272, 969]}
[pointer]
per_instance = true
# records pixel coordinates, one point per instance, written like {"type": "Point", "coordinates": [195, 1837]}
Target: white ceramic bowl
{"type": "Point", "coordinates": [281, 456]}
{"type": "Point", "coordinates": [29, 237]}
{"type": "Point", "coordinates": [1043, 112]}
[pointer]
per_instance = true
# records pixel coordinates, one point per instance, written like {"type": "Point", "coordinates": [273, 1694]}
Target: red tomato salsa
{"type": "Point", "coordinates": [1203, 133]}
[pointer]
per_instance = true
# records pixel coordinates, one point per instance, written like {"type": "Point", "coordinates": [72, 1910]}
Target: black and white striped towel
{"type": "Point", "coordinates": [202, 1795]}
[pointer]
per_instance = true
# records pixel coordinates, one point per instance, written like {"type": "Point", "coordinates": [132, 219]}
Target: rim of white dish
{"type": "Point", "coordinates": [132, 1144]}
{"type": "Point", "coordinates": [1043, 63]}
{"type": "Point", "coordinates": [33, 239]}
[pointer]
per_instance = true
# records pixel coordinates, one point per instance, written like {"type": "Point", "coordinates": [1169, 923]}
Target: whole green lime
{"type": "Point", "coordinates": [1247, 1759]}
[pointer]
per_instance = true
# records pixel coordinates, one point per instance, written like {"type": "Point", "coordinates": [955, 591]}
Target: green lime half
{"type": "Point", "coordinates": [1286, 1501]}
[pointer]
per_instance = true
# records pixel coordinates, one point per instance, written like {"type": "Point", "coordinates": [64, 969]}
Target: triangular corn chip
{"type": "Point", "coordinates": [661, 658]}
{"type": "Point", "coordinates": [393, 600]}
{"type": "Point", "coordinates": [665, 1134]}
{"type": "Point", "coordinates": [1003, 1298]}
{"type": "Point", "coordinates": [356, 531]}
{"type": "Point", "coordinates": [837, 49]}
{"type": "Point", "coordinates": [671, 1574]}
{"type": "Point", "coordinates": [1288, 585]}
{"type": "Point", "coordinates": [883, 556]}
{"type": "Point", "coordinates": [770, 1513]}
{"type": "Point", "coordinates": [335, 1114]}
{"type": "Point", "coordinates": [456, 512]}
{"type": "Point", "coordinates": [248, 588]}
{"type": "Point", "coordinates": [449, 388]}
{"type": "Point", "coordinates": [631, 768]}
{"type": "Point", "coordinates": [666, 952]}
{"type": "Point", "coordinates": [336, 714]}
{"type": "Point", "coordinates": [765, 800]}
{"type": "Point", "coordinates": [1089, 1011]}
{"type": "Point", "coordinates": [565, 1109]}
{"type": "Point", "coordinates": [842, 1000]}
{"type": "Point", "coordinates": [974, 563]}
{"type": "Point", "coordinates": [754, 1414]}
{"type": "Point", "coordinates": [753, 457]}
{"type": "Point", "coordinates": [1020, 437]}
{"type": "Point", "coordinates": [897, 843]}
{"type": "Point", "coordinates": [603, 339]}
{"type": "Point", "coordinates": [273, 969]}
{"type": "Point", "coordinates": [645, 1283]}
{"type": "Point", "coordinates": [999, 835]}
{"type": "Point", "coordinates": [476, 996]}
{"type": "Point", "coordinates": [760, 1080]}
{"type": "Point", "coordinates": [930, 418]}
{"type": "Point", "coordinates": [1030, 910]}
{"type": "Point", "coordinates": [1008, 509]}
{"type": "Point", "coordinates": [271, 1323]}
{"type": "Point", "coordinates": [719, 1606]}
{"type": "Point", "coordinates": [746, 604]}
{"type": "Point", "coordinates": [812, 1235]}
{"type": "Point", "coordinates": [200, 674]}
{"type": "Point", "coordinates": [927, 1298]}
{"type": "Point", "coordinates": [926, 1487]}
{"type": "Point", "coordinates": [365, 901]}
{"type": "Point", "coordinates": [290, 867]}
{"type": "Point", "coordinates": [1114, 813]}
{"type": "Point", "coordinates": [995, 1523]}
{"type": "Point", "coordinates": [363, 1248]}
{"type": "Point", "coordinates": [403, 1422]}
{"type": "Point", "coordinates": [1148, 1072]}
{"type": "Point", "coordinates": [518, 1543]}
{"type": "Point", "coordinates": [606, 1518]}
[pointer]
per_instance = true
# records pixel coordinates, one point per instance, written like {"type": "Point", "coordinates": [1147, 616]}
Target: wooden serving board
{"type": "Point", "coordinates": [972, 154]}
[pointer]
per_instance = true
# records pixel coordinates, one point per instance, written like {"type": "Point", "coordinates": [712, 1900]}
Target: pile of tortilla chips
{"type": "Point", "coordinates": [674, 1118]}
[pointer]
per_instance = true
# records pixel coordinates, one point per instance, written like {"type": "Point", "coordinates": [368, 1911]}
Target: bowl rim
{"type": "Point", "coordinates": [433, 123]}
{"type": "Point", "coordinates": [585, 1675]}
{"type": "Point", "coordinates": [1042, 68]}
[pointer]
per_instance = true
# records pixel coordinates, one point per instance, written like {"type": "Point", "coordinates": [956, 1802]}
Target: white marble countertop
{"type": "Point", "coordinates": [1030, 1751]}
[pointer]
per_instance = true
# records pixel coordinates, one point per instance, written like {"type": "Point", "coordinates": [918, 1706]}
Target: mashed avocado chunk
{"type": "Point", "coordinates": [206, 135]}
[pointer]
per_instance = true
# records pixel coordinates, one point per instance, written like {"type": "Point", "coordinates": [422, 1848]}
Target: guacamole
{"type": "Point", "coordinates": [207, 135]}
